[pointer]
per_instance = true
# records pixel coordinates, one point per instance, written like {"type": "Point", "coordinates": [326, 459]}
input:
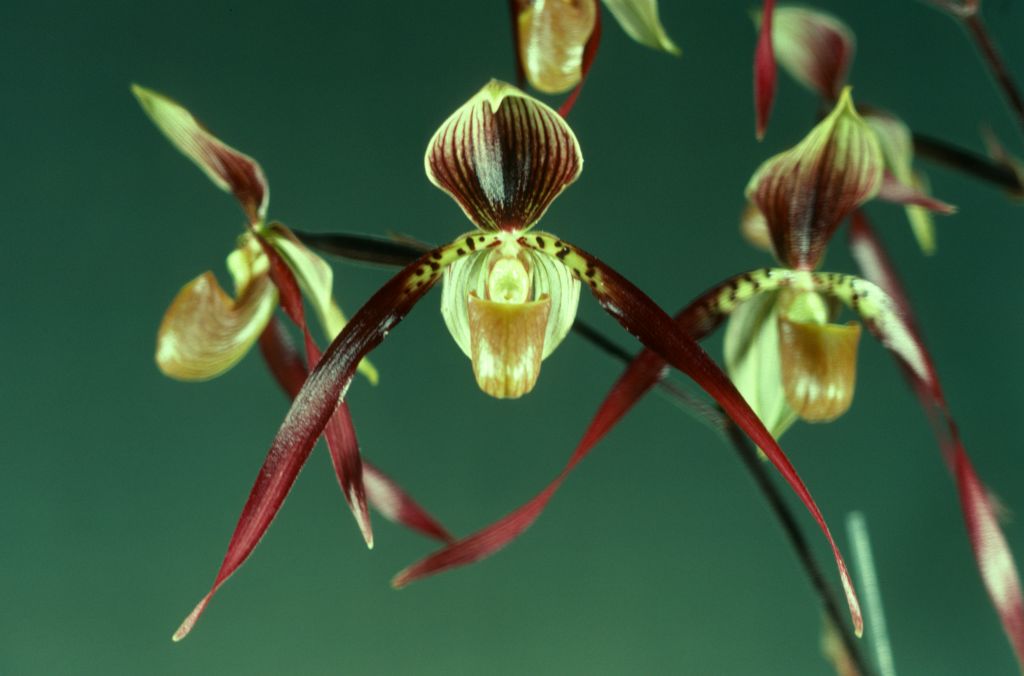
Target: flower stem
{"type": "Point", "coordinates": [968, 162]}
{"type": "Point", "coordinates": [976, 27]}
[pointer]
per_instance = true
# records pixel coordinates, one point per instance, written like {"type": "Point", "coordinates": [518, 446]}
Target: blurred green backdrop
{"type": "Point", "coordinates": [120, 488]}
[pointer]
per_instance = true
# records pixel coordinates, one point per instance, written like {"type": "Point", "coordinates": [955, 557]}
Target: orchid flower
{"type": "Point", "coordinates": [556, 40]}
{"type": "Point", "coordinates": [205, 332]}
{"type": "Point", "coordinates": [817, 50]}
{"type": "Point", "coordinates": [510, 294]}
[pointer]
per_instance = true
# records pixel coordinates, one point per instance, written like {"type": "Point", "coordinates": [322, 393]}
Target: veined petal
{"type": "Point", "coordinates": [751, 349]}
{"type": "Point", "coordinates": [819, 367]}
{"type": "Point", "coordinates": [205, 332]}
{"type": "Point", "coordinates": [992, 554]}
{"type": "Point", "coordinates": [639, 18]}
{"type": "Point", "coordinates": [382, 492]}
{"type": "Point", "coordinates": [316, 279]}
{"type": "Point", "coordinates": [229, 169]}
{"type": "Point", "coordinates": [507, 340]}
{"type": "Point", "coordinates": [806, 192]}
{"type": "Point", "coordinates": [551, 39]}
{"type": "Point", "coordinates": [764, 71]}
{"type": "Point", "coordinates": [814, 47]}
{"type": "Point", "coordinates": [503, 156]}
{"type": "Point", "coordinates": [641, 317]}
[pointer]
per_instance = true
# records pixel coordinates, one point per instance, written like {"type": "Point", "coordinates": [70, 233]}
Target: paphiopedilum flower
{"type": "Point", "coordinates": [556, 40]}
{"type": "Point", "coordinates": [510, 295]}
{"type": "Point", "coordinates": [206, 331]}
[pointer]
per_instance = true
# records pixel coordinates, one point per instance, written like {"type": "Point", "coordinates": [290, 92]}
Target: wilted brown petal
{"type": "Point", "coordinates": [552, 37]}
{"type": "Point", "coordinates": [806, 192]}
{"type": "Point", "coordinates": [508, 342]}
{"type": "Point", "coordinates": [503, 156]}
{"type": "Point", "coordinates": [205, 332]}
{"type": "Point", "coordinates": [814, 47]}
{"type": "Point", "coordinates": [229, 169]}
{"type": "Point", "coordinates": [819, 367]}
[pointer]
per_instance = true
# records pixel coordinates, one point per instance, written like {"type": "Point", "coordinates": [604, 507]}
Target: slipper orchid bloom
{"type": "Point", "coordinates": [817, 50]}
{"type": "Point", "coordinates": [206, 331]}
{"type": "Point", "coordinates": [556, 40]}
{"type": "Point", "coordinates": [503, 156]}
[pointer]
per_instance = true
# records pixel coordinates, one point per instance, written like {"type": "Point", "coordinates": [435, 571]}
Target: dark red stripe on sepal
{"type": "Point", "coordinates": [764, 70]}
{"type": "Point", "coordinates": [992, 554]}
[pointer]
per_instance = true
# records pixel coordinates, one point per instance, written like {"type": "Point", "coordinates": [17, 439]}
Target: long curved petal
{"type": "Point", "coordinates": [230, 170]}
{"type": "Point", "coordinates": [991, 552]}
{"type": "Point", "coordinates": [639, 19]}
{"type": "Point", "coordinates": [641, 317]}
{"type": "Point", "coordinates": [322, 394]}
{"type": "Point", "coordinates": [386, 496]}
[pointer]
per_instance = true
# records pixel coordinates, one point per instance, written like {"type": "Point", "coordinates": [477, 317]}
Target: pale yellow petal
{"type": "Point", "coordinates": [639, 18]}
{"type": "Point", "coordinates": [507, 342]}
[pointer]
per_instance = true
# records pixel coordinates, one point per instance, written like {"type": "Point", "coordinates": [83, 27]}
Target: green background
{"type": "Point", "coordinates": [119, 488]}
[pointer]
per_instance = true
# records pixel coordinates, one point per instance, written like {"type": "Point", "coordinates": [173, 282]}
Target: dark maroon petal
{"type": "Point", "coordinates": [229, 169]}
{"type": "Point", "coordinates": [503, 156]}
{"type": "Point", "coordinates": [382, 492]}
{"type": "Point", "coordinates": [589, 54]}
{"type": "Point", "coordinates": [764, 70]}
{"type": "Point", "coordinates": [991, 553]}
{"type": "Point", "coordinates": [363, 248]}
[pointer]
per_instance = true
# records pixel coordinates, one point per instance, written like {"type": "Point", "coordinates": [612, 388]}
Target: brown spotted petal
{"type": "Point", "coordinates": [507, 344]}
{"type": "Point", "coordinates": [639, 18]}
{"type": "Point", "coordinates": [229, 169]}
{"type": "Point", "coordinates": [552, 37]}
{"type": "Point", "coordinates": [806, 192]}
{"type": "Point", "coordinates": [205, 331]}
{"type": "Point", "coordinates": [503, 156]}
{"type": "Point", "coordinates": [814, 47]}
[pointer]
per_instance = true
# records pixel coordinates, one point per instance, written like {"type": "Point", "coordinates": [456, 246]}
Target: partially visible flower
{"type": "Point", "coordinates": [556, 40]}
{"type": "Point", "coordinates": [814, 47]}
{"type": "Point", "coordinates": [510, 296]}
{"type": "Point", "coordinates": [206, 331]}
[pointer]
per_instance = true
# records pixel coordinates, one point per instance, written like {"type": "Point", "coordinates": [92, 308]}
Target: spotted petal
{"type": "Point", "coordinates": [503, 156]}
{"type": "Point", "coordinates": [639, 18]}
{"type": "Point", "coordinates": [205, 331]}
{"type": "Point", "coordinates": [229, 169]}
{"type": "Point", "coordinates": [806, 192]}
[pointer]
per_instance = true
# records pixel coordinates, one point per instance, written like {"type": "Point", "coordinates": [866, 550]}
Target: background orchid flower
{"type": "Point", "coordinates": [504, 157]}
{"type": "Point", "coordinates": [556, 40]}
{"type": "Point", "coordinates": [205, 331]}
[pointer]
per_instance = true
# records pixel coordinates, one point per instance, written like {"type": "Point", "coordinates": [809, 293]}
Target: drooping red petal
{"type": "Point", "coordinates": [382, 492]}
{"type": "Point", "coordinates": [641, 317]}
{"type": "Point", "coordinates": [339, 432]}
{"type": "Point", "coordinates": [229, 169]}
{"type": "Point", "coordinates": [503, 156]}
{"type": "Point", "coordinates": [991, 553]}
{"type": "Point", "coordinates": [764, 70]}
